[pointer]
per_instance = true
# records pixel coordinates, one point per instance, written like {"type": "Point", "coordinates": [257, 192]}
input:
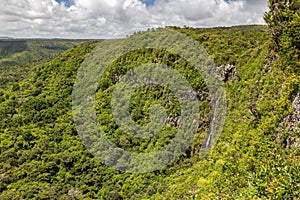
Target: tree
{"type": "Point", "coordinates": [283, 19]}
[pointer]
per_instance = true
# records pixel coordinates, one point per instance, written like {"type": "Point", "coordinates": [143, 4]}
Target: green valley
{"type": "Point", "coordinates": [256, 157]}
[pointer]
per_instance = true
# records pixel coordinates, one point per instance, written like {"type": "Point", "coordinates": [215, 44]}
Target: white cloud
{"type": "Point", "coordinates": [117, 18]}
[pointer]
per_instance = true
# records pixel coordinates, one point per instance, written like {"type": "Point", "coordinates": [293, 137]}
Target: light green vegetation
{"type": "Point", "coordinates": [42, 156]}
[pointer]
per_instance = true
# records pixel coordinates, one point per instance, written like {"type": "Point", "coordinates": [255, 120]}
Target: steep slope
{"type": "Point", "coordinates": [43, 157]}
{"type": "Point", "coordinates": [258, 155]}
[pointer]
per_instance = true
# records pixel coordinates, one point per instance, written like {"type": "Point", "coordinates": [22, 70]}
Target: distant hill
{"type": "Point", "coordinates": [17, 56]}
{"type": "Point", "coordinates": [21, 51]}
{"type": "Point", "coordinates": [5, 37]}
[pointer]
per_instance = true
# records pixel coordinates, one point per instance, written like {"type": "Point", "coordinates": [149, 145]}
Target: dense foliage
{"type": "Point", "coordinates": [42, 156]}
{"type": "Point", "coordinates": [284, 25]}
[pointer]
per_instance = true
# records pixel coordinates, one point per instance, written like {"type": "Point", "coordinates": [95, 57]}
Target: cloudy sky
{"type": "Point", "coordinates": [118, 18]}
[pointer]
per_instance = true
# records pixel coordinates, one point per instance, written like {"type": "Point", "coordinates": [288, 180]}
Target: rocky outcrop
{"type": "Point", "coordinates": [291, 124]}
{"type": "Point", "coordinates": [226, 72]}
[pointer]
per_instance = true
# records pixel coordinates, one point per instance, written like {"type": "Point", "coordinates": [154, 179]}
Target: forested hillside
{"type": "Point", "coordinates": [256, 157]}
{"type": "Point", "coordinates": [17, 55]}
{"type": "Point", "coordinates": [21, 51]}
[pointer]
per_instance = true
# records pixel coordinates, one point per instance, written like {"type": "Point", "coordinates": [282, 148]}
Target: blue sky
{"type": "Point", "coordinates": [148, 2]}
{"type": "Point", "coordinates": [68, 3]}
{"type": "Point", "coordinates": [119, 18]}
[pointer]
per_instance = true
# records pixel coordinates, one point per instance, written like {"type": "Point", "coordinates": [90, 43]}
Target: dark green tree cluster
{"type": "Point", "coordinates": [43, 157]}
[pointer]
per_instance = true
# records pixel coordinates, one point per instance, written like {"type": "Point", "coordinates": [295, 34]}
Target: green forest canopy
{"type": "Point", "coordinates": [42, 156]}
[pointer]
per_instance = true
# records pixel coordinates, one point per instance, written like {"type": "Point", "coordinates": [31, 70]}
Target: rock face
{"type": "Point", "coordinates": [226, 72]}
{"type": "Point", "coordinates": [292, 124]}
